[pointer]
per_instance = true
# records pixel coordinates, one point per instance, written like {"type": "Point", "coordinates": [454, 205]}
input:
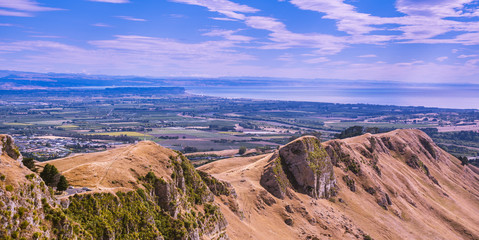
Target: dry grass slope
{"type": "Point", "coordinates": [405, 188]}
{"type": "Point", "coordinates": [116, 169]}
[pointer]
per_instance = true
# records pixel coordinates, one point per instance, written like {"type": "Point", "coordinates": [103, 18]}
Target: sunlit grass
{"type": "Point", "coordinates": [129, 134]}
{"type": "Point", "coordinates": [18, 124]}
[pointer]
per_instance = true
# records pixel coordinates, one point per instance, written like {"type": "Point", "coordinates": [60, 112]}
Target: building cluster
{"type": "Point", "coordinates": [44, 148]}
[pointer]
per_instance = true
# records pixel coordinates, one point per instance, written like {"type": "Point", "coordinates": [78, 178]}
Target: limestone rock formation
{"type": "Point", "coordinates": [302, 165]}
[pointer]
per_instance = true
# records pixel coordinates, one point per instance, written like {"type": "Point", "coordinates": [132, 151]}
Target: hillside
{"type": "Point", "coordinates": [116, 169]}
{"type": "Point", "coordinates": [396, 185]}
{"type": "Point", "coordinates": [142, 191]}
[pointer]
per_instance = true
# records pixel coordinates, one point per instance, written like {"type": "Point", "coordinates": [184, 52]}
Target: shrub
{"type": "Point", "coordinates": [36, 235]}
{"type": "Point", "coordinates": [29, 163]}
{"type": "Point", "coordinates": [24, 225]}
{"type": "Point", "coordinates": [367, 237]}
{"type": "Point", "coordinates": [62, 183]}
{"type": "Point", "coordinates": [49, 174]}
{"type": "Point", "coordinates": [9, 188]}
{"type": "Point", "coordinates": [242, 150]}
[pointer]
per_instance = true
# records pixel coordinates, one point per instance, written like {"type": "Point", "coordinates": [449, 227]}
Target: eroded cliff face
{"type": "Point", "coordinates": [302, 165]}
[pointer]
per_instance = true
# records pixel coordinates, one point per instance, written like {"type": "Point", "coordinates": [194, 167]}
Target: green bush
{"type": "Point", "coordinates": [29, 163]}
{"type": "Point", "coordinates": [24, 225]}
{"type": "Point", "coordinates": [242, 150]}
{"type": "Point", "coordinates": [9, 188]}
{"type": "Point", "coordinates": [36, 235]}
{"type": "Point", "coordinates": [62, 184]}
{"type": "Point", "coordinates": [49, 174]}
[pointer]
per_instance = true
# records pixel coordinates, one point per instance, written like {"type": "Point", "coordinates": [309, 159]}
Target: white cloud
{"type": "Point", "coordinates": [22, 8]}
{"type": "Point", "coordinates": [368, 56]}
{"type": "Point", "coordinates": [224, 19]}
{"type": "Point", "coordinates": [128, 54]}
{"type": "Point", "coordinates": [229, 35]}
{"type": "Point", "coordinates": [100, 25]}
{"type": "Point", "coordinates": [424, 20]}
{"type": "Point", "coordinates": [111, 1]}
{"type": "Point", "coordinates": [6, 25]}
{"type": "Point", "coordinates": [317, 60]}
{"type": "Point", "coordinates": [467, 56]}
{"type": "Point", "coordinates": [132, 18]}
{"type": "Point", "coordinates": [442, 59]}
{"type": "Point", "coordinates": [14, 13]}
{"type": "Point", "coordinates": [225, 7]}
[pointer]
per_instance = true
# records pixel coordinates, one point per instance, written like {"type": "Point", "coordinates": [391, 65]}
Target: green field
{"type": "Point", "coordinates": [342, 125]}
{"type": "Point", "coordinates": [191, 132]}
{"type": "Point", "coordinates": [18, 124]}
{"type": "Point", "coordinates": [68, 126]}
{"type": "Point", "coordinates": [129, 134]}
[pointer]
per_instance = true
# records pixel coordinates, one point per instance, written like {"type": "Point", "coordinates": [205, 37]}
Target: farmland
{"type": "Point", "coordinates": [192, 123]}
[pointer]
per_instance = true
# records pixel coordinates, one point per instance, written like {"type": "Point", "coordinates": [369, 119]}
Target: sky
{"type": "Point", "coordinates": [427, 41]}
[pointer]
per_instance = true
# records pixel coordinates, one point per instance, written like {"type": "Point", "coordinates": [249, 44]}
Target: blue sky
{"type": "Point", "coordinates": [403, 40]}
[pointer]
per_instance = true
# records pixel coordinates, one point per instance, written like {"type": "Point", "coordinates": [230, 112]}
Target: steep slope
{"type": "Point", "coordinates": [27, 208]}
{"type": "Point", "coordinates": [140, 191]}
{"type": "Point", "coordinates": [396, 185]}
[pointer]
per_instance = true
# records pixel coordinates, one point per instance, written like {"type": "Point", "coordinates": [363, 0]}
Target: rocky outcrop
{"type": "Point", "coordinates": [302, 165]}
{"type": "Point", "coordinates": [179, 205]}
{"type": "Point", "coordinates": [8, 147]}
{"type": "Point", "coordinates": [28, 209]}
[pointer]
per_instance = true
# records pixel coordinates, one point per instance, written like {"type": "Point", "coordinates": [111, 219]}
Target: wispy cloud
{"type": "Point", "coordinates": [100, 25]}
{"type": "Point", "coordinates": [22, 8]}
{"type": "Point", "coordinates": [111, 1]}
{"type": "Point", "coordinates": [442, 59]}
{"type": "Point", "coordinates": [368, 56]}
{"type": "Point", "coordinates": [224, 19]}
{"type": "Point", "coordinates": [467, 56]}
{"type": "Point", "coordinates": [229, 35]}
{"type": "Point", "coordinates": [132, 18]}
{"type": "Point", "coordinates": [225, 7]}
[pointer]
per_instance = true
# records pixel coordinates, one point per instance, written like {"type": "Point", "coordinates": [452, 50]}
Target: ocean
{"type": "Point", "coordinates": [442, 96]}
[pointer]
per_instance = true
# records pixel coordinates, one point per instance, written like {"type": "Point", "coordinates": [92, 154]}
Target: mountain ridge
{"type": "Point", "coordinates": [395, 185]}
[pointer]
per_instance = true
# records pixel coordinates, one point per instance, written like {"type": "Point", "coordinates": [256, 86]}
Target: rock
{"type": "Point", "coordinates": [8, 147]}
{"type": "Point", "coordinates": [289, 209]}
{"type": "Point", "coordinates": [302, 165]}
{"type": "Point", "coordinates": [289, 221]}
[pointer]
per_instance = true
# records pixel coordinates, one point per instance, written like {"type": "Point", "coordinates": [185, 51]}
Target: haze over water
{"type": "Point", "coordinates": [443, 96]}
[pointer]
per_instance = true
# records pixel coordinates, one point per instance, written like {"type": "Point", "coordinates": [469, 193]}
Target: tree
{"type": "Point", "coordinates": [62, 184]}
{"type": "Point", "coordinates": [351, 132]}
{"type": "Point", "coordinates": [49, 174]}
{"type": "Point", "coordinates": [242, 150]}
{"type": "Point", "coordinates": [29, 163]}
{"type": "Point", "coordinates": [464, 160]}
